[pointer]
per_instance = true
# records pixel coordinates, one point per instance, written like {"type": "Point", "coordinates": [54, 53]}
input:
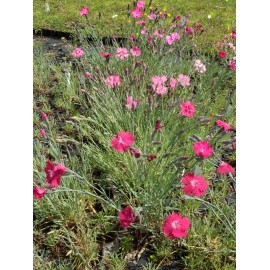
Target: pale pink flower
{"type": "Point", "coordinates": [141, 22]}
{"type": "Point", "coordinates": [121, 53]}
{"type": "Point", "coordinates": [84, 11]}
{"type": "Point", "coordinates": [135, 51]}
{"type": "Point", "coordinates": [223, 124]}
{"type": "Point", "coordinates": [184, 80]}
{"type": "Point", "coordinates": [122, 141]}
{"type": "Point", "coordinates": [188, 109]}
{"type": "Point", "coordinates": [173, 83]}
{"type": "Point", "coordinates": [113, 81]}
{"type": "Point", "coordinates": [225, 168]}
{"type": "Point", "coordinates": [152, 16]}
{"type": "Point", "coordinates": [159, 84]}
{"type": "Point", "coordinates": [77, 53]}
{"type": "Point", "coordinates": [144, 31]}
{"type": "Point", "coordinates": [140, 4]}
{"type": "Point", "coordinates": [199, 66]}
{"type": "Point", "coordinates": [136, 12]}
{"type": "Point", "coordinates": [169, 40]}
{"type": "Point", "coordinates": [131, 103]}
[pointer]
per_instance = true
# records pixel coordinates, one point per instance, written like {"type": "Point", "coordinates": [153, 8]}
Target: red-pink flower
{"type": "Point", "coordinates": [136, 51]}
{"type": "Point", "coordinates": [184, 80]}
{"type": "Point", "coordinates": [106, 55]}
{"type": "Point", "coordinates": [189, 30]}
{"type": "Point", "coordinates": [188, 109]}
{"type": "Point", "coordinates": [42, 132]}
{"type": "Point", "coordinates": [203, 149]}
{"type": "Point", "coordinates": [177, 17]}
{"type": "Point", "coordinates": [223, 124]}
{"type": "Point", "coordinates": [233, 34]}
{"type": "Point", "coordinates": [136, 12]}
{"type": "Point", "coordinates": [126, 217]}
{"type": "Point", "coordinates": [140, 4]}
{"type": "Point", "coordinates": [122, 141]}
{"type": "Point", "coordinates": [194, 185]}
{"type": "Point", "coordinates": [149, 39]}
{"type": "Point", "coordinates": [158, 126]}
{"type": "Point", "coordinates": [222, 54]}
{"type": "Point", "coordinates": [121, 53]}
{"type": "Point", "coordinates": [77, 53]}
{"type": "Point", "coordinates": [225, 168]}
{"type": "Point", "coordinates": [131, 103]}
{"type": "Point", "coordinates": [39, 192]}
{"type": "Point", "coordinates": [84, 11]}
{"type": "Point", "coordinates": [176, 226]}
{"type": "Point", "coordinates": [113, 81]}
{"type": "Point", "coordinates": [44, 116]}
{"type": "Point", "coordinates": [87, 74]}
{"type": "Point", "coordinates": [232, 65]}
{"type": "Point", "coordinates": [54, 173]}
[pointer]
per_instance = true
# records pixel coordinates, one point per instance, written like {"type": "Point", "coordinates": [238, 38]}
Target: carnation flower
{"type": "Point", "coordinates": [203, 149]}
{"type": "Point", "coordinates": [131, 103]}
{"type": "Point", "coordinates": [199, 66]}
{"type": "Point", "coordinates": [176, 226]}
{"type": "Point", "coordinates": [141, 22]}
{"type": "Point", "coordinates": [42, 132]}
{"type": "Point", "coordinates": [135, 51]}
{"type": "Point", "coordinates": [78, 53]}
{"type": "Point", "coordinates": [106, 55]}
{"type": "Point", "coordinates": [157, 34]}
{"type": "Point", "coordinates": [175, 36]}
{"type": "Point", "coordinates": [232, 65]}
{"type": "Point", "coordinates": [140, 4]}
{"type": "Point", "coordinates": [222, 54]}
{"type": "Point", "coordinates": [173, 83]}
{"type": "Point", "coordinates": [188, 109]}
{"type": "Point", "coordinates": [121, 53]}
{"type": "Point", "coordinates": [158, 126]}
{"type": "Point", "coordinates": [135, 152]}
{"type": "Point", "coordinates": [54, 173]}
{"type": "Point", "coordinates": [159, 84]}
{"type": "Point", "coordinates": [87, 74]}
{"type": "Point", "coordinates": [223, 124]}
{"type": "Point", "coordinates": [84, 11]}
{"type": "Point", "coordinates": [131, 38]}
{"type": "Point", "coordinates": [152, 16]}
{"type": "Point", "coordinates": [113, 80]}
{"type": "Point", "coordinates": [151, 157]}
{"type": "Point", "coordinates": [39, 192]}
{"type": "Point", "coordinates": [194, 185]}
{"type": "Point", "coordinates": [44, 116]}
{"type": "Point", "coordinates": [122, 141]}
{"type": "Point", "coordinates": [126, 217]}
{"type": "Point", "coordinates": [144, 31]}
{"type": "Point", "coordinates": [233, 34]}
{"type": "Point", "coordinates": [169, 40]}
{"type": "Point", "coordinates": [225, 168]}
{"type": "Point", "coordinates": [184, 80]}
{"type": "Point", "coordinates": [136, 12]}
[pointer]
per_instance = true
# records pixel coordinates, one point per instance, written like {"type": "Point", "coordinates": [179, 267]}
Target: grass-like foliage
{"type": "Point", "coordinates": [134, 150]}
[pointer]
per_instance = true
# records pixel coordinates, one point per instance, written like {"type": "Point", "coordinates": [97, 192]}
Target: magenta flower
{"type": "Point", "coordinates": [54, 173]}
{"type": "Point", "coordinates": [149, 39]}
{"type": "Point", "coordinates": [121, 53]}
{"type": "Point", "coordinates": [158, 126]}
{"type": "Point", "coordinates": [78, 53]}
{"type": "Point", "coordinates": [189, 30]}
{"type": "Point", "coordinates": [126, 217]}
{"type": "Point", "coordinates": [184, 80]}
{"type": "Point", "coordinates": [44, 116]}
{"type": "Point", "coordinates": [176, 226]}
{"type": "Point", "coordinates": [225, 168]}
{"type": "Point", "coordinates": [232, 65]}
{"type": "Point", "coordinates": [42, 132]}
{"type": "Point", "coordinates": [222, 54]}
{"type": "Point", "coordinates": [140, 4]}
{"type": "Point", "coordinates": [113, 81]}
{"type": "Point", "coordinates": [84, 11]}
{"type": "Point", "coordinates": [136, 12]}
{"type": "Point", "coordinates": [233, 34]}
{"type": "Point", "coordinates": [203, 149]}
{"type": "Point", "coordinates": [135, 51]}
{"type": "Point", "coordinates": [194, 185]}
{"type": "Point", "coordinates": [175, 36]}
{"type": "Point", "coordinates": [223, 124]}
{"type": "Point", "coordinates": [144, 31]}
{"type": "Point", "coordinates": [122, 141]}
{"type": "Point", "coordinates": [87, 74]}
{"type": "Point", "coordinates": [39, 192]}
{"type": "Point", "coordinates": [131, 103]}
{"type": "Point", "coordinates": [188, 109]}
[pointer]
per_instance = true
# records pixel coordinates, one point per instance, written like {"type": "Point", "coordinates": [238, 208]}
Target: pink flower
{"type": "Point", "coordinates": [84, 11]}
{"type": "Point", "coordinates": [203, 149]}
{"type": "Point", "coordinates": [87, 74]}
{"type": "Point", "coordinates": [126, 217]}
{"type": "Point", "coordinates": [136, 12]}
{"type": "Point", "coordinates": [225, 168]}
{"type": "Point", "coordinates": [131, 103]}
{"type": "Point", "coordinates": [194, 185]}
{"type": "Point", "coordinates": [184, 80]}
{"type": "Point", "coordinates": [173, 83]}
{"type": "Point", "coordinates": [188, 109]}
{"type": "Point", "coordinates": [144, 31]}
{"type": "Point", "coordinates": [39, 192]}
{"type": "Point", "coordinates": [189, 30]}
{"type": "Point", "coordinates": [135, 51]}
{"type": "Point", "coordinates": [152, 16]}
{"type": "Point", "coordinates": [122, 141]}
{"type": "Point", "coordinates": [113, 81]}
{"type": "Point", "coordinates": [54, 173]}
{"type": "Point", "coordinates": [141, 22]}
{"type": "Point", "coordinates": [232, 65]}
{"type": "Point", "coordinates": [223, 124]}
{"type": "Point", "coordinates": [175, 36]}
{"type": "Point", "coordinates": [176, 226]}
{"type": "Point", "coordinates": [169, 40]}
{"type": "Point", "coordinates": [157, 34]}
{"type": "Point", "coordinates": [106, 55]}
{"type": "Point", "coordinates": [121, 53]}
{"type": "Point", "coordinates": [222, 54]}
{"type": "Point", "coordinates": [135, 152]}
{"type": "Point", "coordinates": [77, 53]}
{"type": "Point", "coordinates": [199, 66]}
{"type": "Point", "coordinates": [178, 17]}
{"type": "Point", "coordinates": [44, 116]}
{"type": "Point", "coordinates": [158, 84]}
{"type": "Point", "coordinates": [140, 4]}
{"type": "Point", "coordinates": [149, 39]}
{"type": "Point", "coordinates": [233, 34]}
{"type": "Point", "coordinates": [42, 132]}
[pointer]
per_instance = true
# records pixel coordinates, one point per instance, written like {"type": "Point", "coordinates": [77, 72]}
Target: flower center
{"type": "Point", "coordinates": [51, 173]}
{"type": "Point", "coordinates": [194, 183]}
{"type": "Point", "coordinates": [175, 224]}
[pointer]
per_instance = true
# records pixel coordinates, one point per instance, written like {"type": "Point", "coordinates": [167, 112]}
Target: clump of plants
{"type": "Point", "coordinates": [147, 163]}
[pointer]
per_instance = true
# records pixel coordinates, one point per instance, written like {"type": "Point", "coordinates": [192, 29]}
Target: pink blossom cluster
{"type": "Point", "coordinates": [172, 38]}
